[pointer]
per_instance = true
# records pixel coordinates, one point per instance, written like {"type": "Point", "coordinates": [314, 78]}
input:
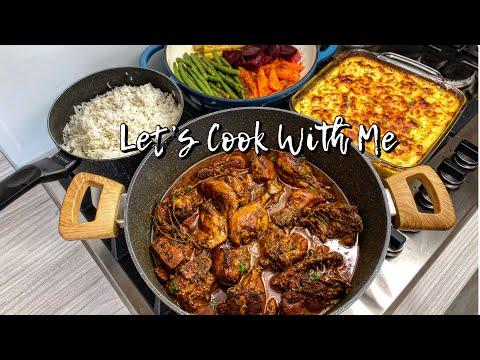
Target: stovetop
{"type": "Point", "coordinates": [408, 252]}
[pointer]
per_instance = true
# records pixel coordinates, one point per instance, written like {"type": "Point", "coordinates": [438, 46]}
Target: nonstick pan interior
{"type": "Point", "coordinates": [352, 173]}
{"type": "Point", "coordinates": [98, 84]}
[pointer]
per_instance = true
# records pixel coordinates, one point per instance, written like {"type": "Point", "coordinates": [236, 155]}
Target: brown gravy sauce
{"type": "Point", "coordinates": [219, 294]}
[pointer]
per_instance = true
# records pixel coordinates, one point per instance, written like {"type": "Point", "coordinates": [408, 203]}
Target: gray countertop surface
{"type": "Point", "coordinates": [40, 272]}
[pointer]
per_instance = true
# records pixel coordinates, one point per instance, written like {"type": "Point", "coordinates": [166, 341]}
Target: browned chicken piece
{"type": "Point", "coordinates": [192, 284]}
{"type": "Point", "coordinates": [230, 264]}
{"type": "Point", "coordinates": [212, 227]}
{"type": "Point", "coordinates": [185, 201]}
{"type": "Point", "coordinates": [248, 223]}
{"type": "Point", "coordinates": [272, 307]}
{"type": "Point", "coordinates": [161, 274]}
{"type": "Point", "coordinates": [223, 165]}
{"type": "Point", "coordinates": [280, 250]}
{"type": "Point", "coordinates": [243, 186]}
{"type": "Point", "coordinates": [312, 285]}
{"type": "Point", "coordinates": [297, 173]}
{"type": "Point", "coordinates": [160, 210]}
{"type": "Point", "coordinates": [314, 295]}
{"type": "Point", "coordinates": [262, 169]}
{"type": "Point", "coordinates": [271, 193]}
{"type": "Point", "coordinates": [247, 297]}
{"type": "Point", "coordinates": [332, 221]}
{"type": "Point", "coordinates": [171, 253]}
{"type": "Point", "coordinates": [288, 216]}
{"type": "Point", "coordinates": [318, 257]}
{"type": "Point", "coordinates": [221, 195]}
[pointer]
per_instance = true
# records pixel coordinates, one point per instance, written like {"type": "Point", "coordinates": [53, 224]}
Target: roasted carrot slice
{"type": "Point", "coordinates": [262, 82]}
{"type": "Point", "coordinates": [273, 80]}
{"type": "Point", "coordinates": [267, 68]}
{"type": "Point", "coordinates": [287, 74]}
{"type": "Point", "coordinates": [249, 82]}
{"type": "Point", "coordinates": [291, 65]}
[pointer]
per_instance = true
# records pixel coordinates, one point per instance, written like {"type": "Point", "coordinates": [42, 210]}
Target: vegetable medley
{"type": "Point", "coordinates": [239, 71]}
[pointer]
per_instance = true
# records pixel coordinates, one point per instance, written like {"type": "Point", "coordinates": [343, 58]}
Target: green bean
{"type": "Point", "coordinates": [229, 81]}
{"type": "Point", "coordinates": [197, 70]}
{"type": "Point", "coordinates": [216, 57]}
{"type": "Point", "coordinates": [186, 78]}
{"type": "Point", "coordinates": [223, 68]}
{"type": "Point", "coordinates": [214, 91]}
{"type": "Point", "coordinates": [199, 64]}
{"type": "Point", "coordinates": [187, 59]}
{"type": "Point", "coordinates": [210, 69]}
{"type": "Point", "coordinates": [176, 72]}
{"type": "Point", "coordinates": [202, 79]}
{"type": "Point", "coordinates": [203, 87]}
{"type": "Point", "coordinates": [225, 62]}
{"type": "Point", "coordinates": [242, 93]}
{"type": "Point", "coordinates": [220, 91]}
{"type": "Point", "coordinates": [213, 72]}
{"type": "Point", "coordinates": [228, 90]}
{"type": "Point", "coordinates": [212, 78]}
{"type": "Point", "coordinates": [236, 86]}
{"type": "Point", "coordinates": [181, 72]}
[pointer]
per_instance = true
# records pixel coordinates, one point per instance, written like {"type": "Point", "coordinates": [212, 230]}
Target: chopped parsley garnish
{"type": "Point", "coordinates": [411, 102]}
{"type": "Point", "coordinates": [213, 302]}
{"type": "Point", "coordinates": [243, 268]}
{"type": "Point", "coordinates": [314, 276]}
{"type": "Point", "coordinates": [174, 287]}
{"type": "Point", "coordinates": [273, 158]}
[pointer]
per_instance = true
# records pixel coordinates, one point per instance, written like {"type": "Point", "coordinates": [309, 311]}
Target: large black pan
{"type": "Point", "coordinates": [352, 173]}
{"type": "Point", "coordinates": [63, 163]}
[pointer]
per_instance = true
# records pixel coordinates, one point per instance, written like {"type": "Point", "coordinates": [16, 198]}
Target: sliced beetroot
{"type": "Point", "coordinates": [287, 51]}
{"type": "Point", "coordinates": [251, 57]}
{"type": "Point", "coordinates": [250, 51]}
{"type": "Point", "coordinates": [241, 62]}
{"type": "Point", "coordinates": [296, 57]}
{"type": "Point", "coordinates": [254, 63]}
{"type": "Point", "coordinates": [263, 47]}
{"type": "Point", "coordinates": [232, 56]}
{"type": "Point", "coordinates": [275, 51]}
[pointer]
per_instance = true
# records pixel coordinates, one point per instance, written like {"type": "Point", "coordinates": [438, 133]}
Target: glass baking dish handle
{"type": "Point", "coordinates": [410, 64]}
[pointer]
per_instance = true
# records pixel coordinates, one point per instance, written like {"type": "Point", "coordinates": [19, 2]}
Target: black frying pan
{"type": "Point", "coordinates": [63, 163]}
{"type": "Point", "coordinates": [352, 173]}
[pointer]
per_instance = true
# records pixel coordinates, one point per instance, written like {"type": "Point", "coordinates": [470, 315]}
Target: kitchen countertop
{"type": "Point", "coordinates": [40, 272]}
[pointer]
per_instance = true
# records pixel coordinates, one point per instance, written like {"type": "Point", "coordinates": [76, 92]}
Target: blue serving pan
{"type": "Point", "coordinates": [312, 57]}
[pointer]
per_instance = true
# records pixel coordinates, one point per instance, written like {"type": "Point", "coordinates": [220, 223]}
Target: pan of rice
{"type": "Point", "coordinates": [84, 122]}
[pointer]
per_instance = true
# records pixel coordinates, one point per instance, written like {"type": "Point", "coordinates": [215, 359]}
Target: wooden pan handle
{"type": "Point", "coordinates": [104, 226]}
{"type": "Point", "coordinates": [408, 217]}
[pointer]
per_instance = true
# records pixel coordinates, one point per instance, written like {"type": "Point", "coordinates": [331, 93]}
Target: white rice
{"type": "Point", "coordinates": [94, 130]}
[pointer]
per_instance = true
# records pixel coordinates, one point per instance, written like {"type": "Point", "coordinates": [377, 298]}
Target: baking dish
{"type": "Point", "coordinates": [403, 65]}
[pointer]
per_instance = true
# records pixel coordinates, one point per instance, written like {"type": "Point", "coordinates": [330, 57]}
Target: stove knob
{"type": "Point", "coordinates": [466, 155]}
{"type": "Point", "coordinates": [423, 198]}
{"type": "Point", "coordinates": [451, 174]}
{"type": "Point", "coordinates": [397, 242]}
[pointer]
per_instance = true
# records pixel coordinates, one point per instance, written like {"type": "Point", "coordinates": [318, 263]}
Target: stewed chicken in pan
{"type": "Point", "coordinates": [255, 234]}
